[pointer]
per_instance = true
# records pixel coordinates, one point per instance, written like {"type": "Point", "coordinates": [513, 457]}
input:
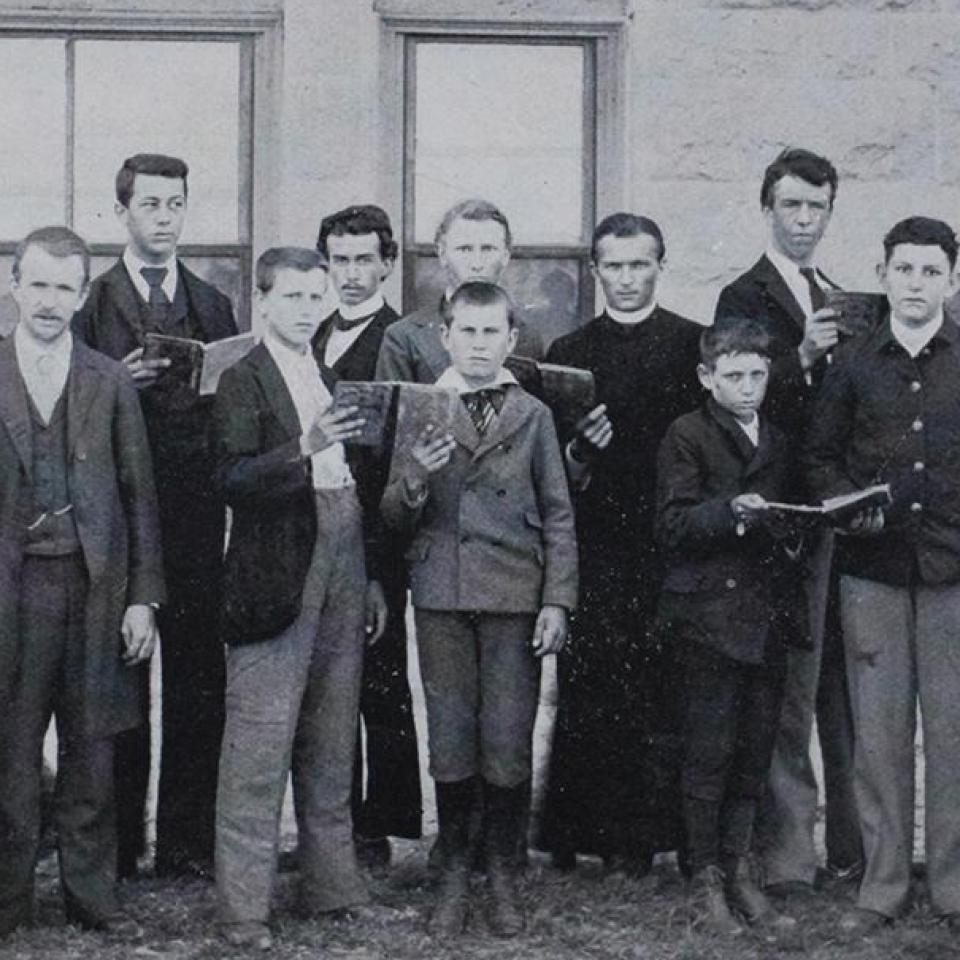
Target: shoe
{"type": "Point", "coordinates": [118, 926]}
{"type": "Point", "coordinates": [452, 908]}
{"type": "Point", "coordinates": [749, 901]}
{"type": "Point", "coordinates": [564, 860]}
{"type": "Point", "coordinates": [248, 934]}
{"type": "Point", "coordinates": [790, 890]}
{"type": "Point", "coordinates": [183, 868]}
{"type": "Point", "coordinates": [860, 923]}
{"type": "Point", "coordinates": [708, 904]}
{"type": "Point", "coordinates": [840, 881]}
{"type": "Point", "coordinates": [455, 802]}
{"type": "Point", "coordinates": [372, 852]}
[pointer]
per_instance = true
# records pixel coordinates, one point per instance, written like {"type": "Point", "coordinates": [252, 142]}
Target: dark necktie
{"type": "Point", "coordinates": [341, 323]}
{"type": "Point", "coordinates": [159, 302]}
{"type": "Point", "coordinates": [818, 299]}
{"type": "Point", "coordinates": [483, 406]}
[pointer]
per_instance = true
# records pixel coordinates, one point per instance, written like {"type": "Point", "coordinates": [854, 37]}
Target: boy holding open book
{"type": "Point", "coordinates": [493, 571]}
{"type": "Point", "coordinates": [730, 604]}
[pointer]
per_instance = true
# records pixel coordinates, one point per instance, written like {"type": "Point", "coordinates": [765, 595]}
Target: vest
{"type": "Point", "coordinates": [52, 529]}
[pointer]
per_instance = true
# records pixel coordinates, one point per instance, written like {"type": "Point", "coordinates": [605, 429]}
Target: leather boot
{"type": "Point", "coordinates": [708, 903]}
{"type": "Point", "coordinates": [503, 820]}
{"type": "Point", "coordinates": [748, 900]}
{"type": "Point", "coordinates": [451, 910]}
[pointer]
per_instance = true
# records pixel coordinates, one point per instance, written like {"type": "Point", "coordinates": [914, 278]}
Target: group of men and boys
{"type": "Point", "coordinates": [706, 631]}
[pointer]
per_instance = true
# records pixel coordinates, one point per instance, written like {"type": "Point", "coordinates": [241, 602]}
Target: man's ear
{"type": "Point", "coordinates": [882, 271]}
{"type": "Point", "coordinates": [445, 336]}
{"type": "Point", "coordinates": [388, 266]}
{"type": "Point", "coordinates": [512, 337]}
{"type": "Point", "coordinates": [705, 376]}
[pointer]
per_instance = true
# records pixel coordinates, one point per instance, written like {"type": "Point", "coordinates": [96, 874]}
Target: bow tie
{"type": "Point", "coordinates": [341, 323]}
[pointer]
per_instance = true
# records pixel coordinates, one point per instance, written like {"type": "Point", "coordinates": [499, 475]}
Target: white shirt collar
{"type": "Point", "coordinates": [786, 267]}
{"type": "Point", "coordinates": [631, 317]}
{"type": "Point", "coordinates": [451, 377]}
{"type": "Point", "coordinates": [751, 429]}
{"type": "Point", "coordinates": [133, 262]}
{"type": "Point", "coordinates": [914, 339]}
{"type": "Point", "coordinates": [369, 307]}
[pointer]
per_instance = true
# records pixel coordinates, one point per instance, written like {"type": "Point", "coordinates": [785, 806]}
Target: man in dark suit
{"type": "Point", "coordinates": [614, 769]}
{"type": "Point", "coordinates": [473, 243]}
{"type": "Point", "coordinates": [785, 292]}
{"type": "Point", "coordinates": [150, 290]}
{"type": "Point", "coordinates": [296, 604]}
{"type": "Point", "coordinates": [360, 252]}
{"type": "Point", "coordinates": [80, 576]}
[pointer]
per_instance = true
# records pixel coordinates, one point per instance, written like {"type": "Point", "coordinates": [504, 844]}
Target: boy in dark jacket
{"type": "Point", "coordinates": [728, 602]}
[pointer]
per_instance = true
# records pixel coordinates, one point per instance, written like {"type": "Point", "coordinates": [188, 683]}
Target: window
{"type": "Point", "coordinates": [81, 94]}
{"type": "Point", "coordinates": [513, 112]}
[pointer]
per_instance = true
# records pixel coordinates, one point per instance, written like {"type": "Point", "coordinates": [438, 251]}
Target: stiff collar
{"type": "Point", "coordinates": [633, 317]}
{"type": "Point", "coordinates": [368, 308]}
{"type": "Point", "coordinates": [785, 266]}
{"type": "Point", "coordinates": [133, 262]}
{"type": "Point", "coordinates": [452, 378]}
{"type": "Point", "coordinates": [947, 335]}
{"type": "Point", "coordinates": [30, 351]}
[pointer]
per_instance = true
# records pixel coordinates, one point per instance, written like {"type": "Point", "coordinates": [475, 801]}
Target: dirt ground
{"type": "Point", "coordinates": [580, 916]}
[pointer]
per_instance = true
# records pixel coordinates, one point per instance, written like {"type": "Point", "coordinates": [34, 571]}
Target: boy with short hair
{"type": "Point", "coordinates": [889, 412]}
{"type": "Point", "coordinates": [493, 571]}
{"type": "Point", "coordinates": [728, 602]}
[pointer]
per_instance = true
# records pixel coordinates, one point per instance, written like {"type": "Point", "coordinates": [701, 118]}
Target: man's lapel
{"type": "Point", "coordinates": [83, 385]}
{"type": "Point", "coordinates": [462, 428]}
{"type": "Point", "coordinates": [513, 414]}
{"type": "Point", "coordinates": [762, 452]}
{"type": "Point", "coordinates": [124, 297]}
{"type": "Point", "coordinates": [275, 390]}
{"type": "Point", "coordinates": [431, 346]}
{"type": "Point", "coordinates": [776, 290]}
{"type": "Point", "coordinates": [13, 404]}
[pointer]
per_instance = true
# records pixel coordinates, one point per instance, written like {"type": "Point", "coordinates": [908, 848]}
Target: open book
{"type": "Point", "coordinates": [197, 365]}
{"type": "Point", "coordinates": [834, 510]}
{"type": "Point", "coordinates": [568, 391]}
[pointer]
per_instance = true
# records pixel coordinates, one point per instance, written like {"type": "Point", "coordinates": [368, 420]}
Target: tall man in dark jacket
{"type": "Point", "coordinates": [150, 290]}
{"type": "Point", "coordinates": [80, 575]}
{"type": "Point", "coordinates": [613, 773]}
{"type": "Point", "coordinates": [360, 251]}
{"type": "Point", "coordinates": [785, 292]}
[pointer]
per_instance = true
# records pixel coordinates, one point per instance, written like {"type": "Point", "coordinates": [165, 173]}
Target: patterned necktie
{"type": "Point", "coordinates": [483, 406]}
{"type": "Point", "coordinates": [818, 299]}
{"type": "Point", "coordinates": [159, 303]}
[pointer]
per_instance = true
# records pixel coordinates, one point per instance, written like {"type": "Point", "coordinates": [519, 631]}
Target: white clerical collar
{"type": "Point", "coordinates": [29, 349]}
{"type": "Point", "coordinates": [631, 317]}
{"type": "Point", "coordinates": [369, 307]}
{"type": "Point", "coordinates": [451, 377]}
{"type": "Point", "coordinates": [914, 339]}
{"type": "Point", "coordinates": [134, 262]}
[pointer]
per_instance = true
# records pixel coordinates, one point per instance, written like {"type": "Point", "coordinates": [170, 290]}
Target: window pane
{"type": "Point", "coordinates": [547, 290]}
{"type": "Point", "coordinates": [32, 134]}
{"type": "Point", "coordinates": [158, 96]}
{"type": "Point", "coordinates": [504, 122]}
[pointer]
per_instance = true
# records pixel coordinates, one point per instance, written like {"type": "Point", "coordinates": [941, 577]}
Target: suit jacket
{"type": "Point", "coordinates": [495, 532]}
{"type": "Point", "coordinates": [413, 352]}
{"type": "Point", "coordinates": [763, 295]}
{"type": "Point", "coordinates": [359, 360]}
{"type": "Point", "coordinates": [732, 592]}
{"type": "Point", "coordinates": [269, 485]}
{"type": "Point", "coordinates": [192, 515]}
{"type": "Point", "coordinates": [110, 481]}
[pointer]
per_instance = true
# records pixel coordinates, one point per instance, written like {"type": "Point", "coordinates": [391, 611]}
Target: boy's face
{"type": "Point", "coordinates": [798, 217]}
{"type": "Point", "coordinates": [628, 269]}
{"type": "Point", "coordinates": [738, 382]}
{"type": "Point", "coordinates": [293, 307]}
{"type": "Point", "coordinates": [478, 340]}
{"type": "Point", "coordinates": [917, 279]}
{"type": "Point", "coordinates": [356, 267]}
{"type": "Point", "coordinates": [155, 215]}
{"type": "Point", "coordinates": [50, 290]}
{"type": "Point", "coordinates": [473, 250]}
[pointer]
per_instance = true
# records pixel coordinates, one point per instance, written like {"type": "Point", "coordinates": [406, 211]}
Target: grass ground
{"type": "Point", "coordinates": [583, 916]}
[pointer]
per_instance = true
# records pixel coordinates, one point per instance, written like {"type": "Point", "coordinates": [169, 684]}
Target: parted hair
{"type": "Point", "coordinates": [271, 261]}
{"type": "Point", "coordinates": [802, 164]}
{"type": "Point", "coordinates": [59, 242]}
{"type": "Point", "coordinates": [474, 209]}
{"type": "Point", "coordinates": [732, 335]}
{"type": "Point", "coordinates": [356, 221]}
{"type": "Point", "coordinates": [925, 232]}
{"type": "Point", "coordinates": [151, 165]}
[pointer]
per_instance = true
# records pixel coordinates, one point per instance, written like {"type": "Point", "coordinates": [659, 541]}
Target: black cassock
{"type": "Point", "coordinates": [614, 772]}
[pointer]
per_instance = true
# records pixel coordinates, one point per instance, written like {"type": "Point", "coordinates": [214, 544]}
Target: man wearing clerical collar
{"type": "Point", "coordinates": [613, 780]}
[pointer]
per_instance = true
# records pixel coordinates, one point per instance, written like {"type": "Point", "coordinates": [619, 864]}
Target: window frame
{"type": "Point", "coordinates": [257, 32]}
{"type": "Point", "coordinates": [599, 27]}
